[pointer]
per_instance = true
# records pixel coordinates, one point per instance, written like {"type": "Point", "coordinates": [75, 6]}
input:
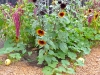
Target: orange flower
{"type": "Point", "coordinates": [96, 16]}
{"type": "Point", "coordinates": [41, 42]}
{"type": "Point", "coordinates": [89, 10]}
{"type": "Point", "coordinates": [40, 32]}
{"type": "Point", "coordinates": [61, 14]}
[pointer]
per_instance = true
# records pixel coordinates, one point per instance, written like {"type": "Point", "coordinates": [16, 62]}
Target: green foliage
{"type": "Point", "coordinates": [60, 39]}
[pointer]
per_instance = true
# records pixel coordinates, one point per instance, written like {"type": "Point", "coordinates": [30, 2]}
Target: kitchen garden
{"type": "Point", "coordinates": [61, 38]}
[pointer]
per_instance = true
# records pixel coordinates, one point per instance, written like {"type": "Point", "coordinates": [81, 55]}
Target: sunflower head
{"type": "Point", "coordinates": [62, 5]}
{"type": "Point", "coordinates": [41, 42]}
{"type": "Point", "coordinates": [89, 10]}
{"type": "Point", "coordinates": [40, 32]}
{"type": "Point", "coordinates": [61, 14]}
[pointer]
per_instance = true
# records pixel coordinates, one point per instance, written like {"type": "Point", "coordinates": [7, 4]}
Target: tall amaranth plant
{"type": "Point", "coordinates": [16, 18]}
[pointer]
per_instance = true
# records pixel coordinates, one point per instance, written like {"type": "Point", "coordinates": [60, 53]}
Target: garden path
{"type": "Point", "coordinates": [91, 67]}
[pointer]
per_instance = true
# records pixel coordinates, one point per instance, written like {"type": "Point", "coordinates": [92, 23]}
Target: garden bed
{"type": "Point", "coordinates": [58, 41]}
{"type": "Point", "coordinates": [91, 67]}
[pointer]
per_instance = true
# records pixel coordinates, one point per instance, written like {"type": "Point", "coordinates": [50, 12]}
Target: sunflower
{"type": "Point", "coordinates": [96, 16]}
{"type": "Point", "coordinates": [61, 14]}
{"type": "Point", "coordinates": [34, 1]}
{"type": "Point", "coordinates": [89, 10]}
{"type": "Point", "coordinates": [62, 5]}
{"type": "Point", "coordinates": [40, 32]}
{"type": "Point", "coordinates": [41, 42]}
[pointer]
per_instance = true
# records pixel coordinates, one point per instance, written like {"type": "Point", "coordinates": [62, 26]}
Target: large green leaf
{"type": "Point", "coordinates": [63, 47]}
{"type": "Point", "coordinates": [70, 71]}
{"type": "Point", "coordinates": [65, 62]}
{"type": "Point", "coordinates": [53, 64]}
{"type": "Point", "coordinates": [72, 55]}
{"type": "Point", "coordinates": [54, 59]}
{"type": "Point", "coordinates": [51, 52]}
{"type": "Point", "coordinates": [97, 37]}
{"type": "Point", "coordinates": [47, 70]}
{"type": "Point", "coordinates": [79, 63]}
{"type": "Point", "coordinates": [41, 56]}
{"type": "Point", "coordinates": [6, 50]}
{"type": "Point", "coordinates": [86, 50]}
{"type": "Point", "coordinates": [48, 59]}
{"type": "Point", "coordinates": [15, 55]}
{"type": "Point", "coordinates": [52, 44]}
{"type": "Point", "coordinates": [8, 43]}
{"type": "Point", "coordinates": [60, 54]}
{"type": "Point", "coordinates": [47, 47]}
{"type": "Point", "coordinates": [60, 69]}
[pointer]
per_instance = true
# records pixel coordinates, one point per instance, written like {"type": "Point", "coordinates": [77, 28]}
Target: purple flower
{"type": "Point", "coordinates": [90, 17]}
{"type": "Point", "coordinates": [16, 18]}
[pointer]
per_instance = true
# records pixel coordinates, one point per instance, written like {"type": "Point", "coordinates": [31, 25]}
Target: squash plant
{"type": "Point", "coordinates": [61, 37]}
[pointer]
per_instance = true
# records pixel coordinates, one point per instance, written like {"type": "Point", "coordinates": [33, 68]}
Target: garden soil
{"type": "Point", "coordinates": [91, 67]}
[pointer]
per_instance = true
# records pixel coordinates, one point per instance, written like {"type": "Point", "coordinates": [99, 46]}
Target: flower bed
{"type": "Point", "coordinates": [61, 38]}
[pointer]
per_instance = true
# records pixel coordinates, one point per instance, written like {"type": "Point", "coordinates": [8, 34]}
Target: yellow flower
{"type": "Point", "coordinates": [61, 14]}
{"type": "Point", "coordinates": [40, 32]}
{"type": "Point", "coordinates": [41, 42]}
{"type": "Point", "coordinates": [89, 10]}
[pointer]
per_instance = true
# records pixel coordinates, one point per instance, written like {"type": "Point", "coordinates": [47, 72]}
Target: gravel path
{"type": "Point", "coordinates": [92, 63]}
